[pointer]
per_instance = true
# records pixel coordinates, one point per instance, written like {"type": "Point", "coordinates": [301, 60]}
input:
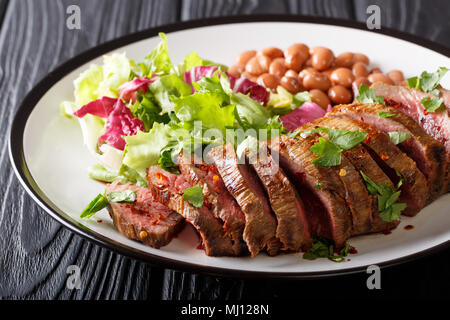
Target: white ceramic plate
{"type": "Point", "coordinates": [51, 161]}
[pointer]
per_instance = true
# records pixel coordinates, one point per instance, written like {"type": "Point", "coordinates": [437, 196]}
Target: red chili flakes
{"type": "Point", "coordinates": [384, 156]}
{"type": "Point", "coordinates": [99, 220]}
{"type": "Point", "coordinates": [367, 139]}
{"type": "Point", "coordinates": [216, 179]}
{"type": "Point", "coordinates": [352, 250]}
{"type": "Point", "coordinates": [160, 176]}
{"type": "Point", "coordinates": [409, 227]}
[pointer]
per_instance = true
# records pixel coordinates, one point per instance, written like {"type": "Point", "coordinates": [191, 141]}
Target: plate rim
{"type": "Point", "coordinates": [17, 159]}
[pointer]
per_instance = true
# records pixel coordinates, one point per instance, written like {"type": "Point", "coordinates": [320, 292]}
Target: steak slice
{"type": "Point", "coordinates": [244, 186]}
{"type": "Point", "coordinates": [292, 229]}
{"type": "Point", "coordinates": [219, 201]}
{"type": "Point", "coordinates": [364, 206]}
{"type": "Point", "coordinates": [145, 220]}
{"type": "Point", "coordinates": [392, 160]}
{"type": "Point", "coordinates": [407, 101]}
{"type": "Point", "coordinates": [168, 190]}
{"type": "Point", "coordinates": [320, 189]}
{"type": "Point", "coordinates": [428, 153]}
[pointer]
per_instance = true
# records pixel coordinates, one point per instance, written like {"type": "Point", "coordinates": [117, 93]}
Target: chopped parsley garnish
{"type": "Point", "coordinates": [431, 105]}
{"type": "Point", "coordinates": [384, 114]}
{"type": "Point", "coordinates": [194, 195]}
{"type": "Point", "coordinates": [367, 95]}
{"type": "Point", "coordinates": [323, 248]}
{"type": "Point", "coordinates": [329, 151]}
{"type": "Point", "coordinates": [101, 201]}
{"type": "Point", "coordinates": [318, 186]}
{"type": "Point", "coordinates": [427, 82]}
{"type": "Point", "coordinates": [388, 206]}
{"type": "Point", "coordinates": [398, 136]}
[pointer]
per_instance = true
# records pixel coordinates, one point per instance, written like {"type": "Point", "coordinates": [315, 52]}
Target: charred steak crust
{"type": "Point", "coordinates": [326, 210]}
{"type": "Point", "coordinates": [408, 101]}
{"type": "Point", "coordinates": [215, 241]}
{"type": "Point", "coordinates": [362, 204]}
{"type": "Point", "coordinates": [260, 225]}
{"type": "Point", "coordinates": [292, 229]}
{"type": "Point", "coordinates": [428, 153]}
{"type": "Point", "coordinates": [219, 201]}
{"type": "Point", "coordinates": [390, 158]}
{"type": "Point", "coordinates": [146, 220]}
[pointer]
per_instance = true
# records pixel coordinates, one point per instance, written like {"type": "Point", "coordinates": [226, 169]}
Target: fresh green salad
{"type": "Point", "coordinates": [134, 115]}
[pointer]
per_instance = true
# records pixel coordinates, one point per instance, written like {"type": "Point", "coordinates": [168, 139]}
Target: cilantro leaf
{"type": "Point", "coordinates": [329, 154]}
{"type": "Point", "coordinates": [367, 95]}
{"type": "Point", "coordinates": [398, 136]}
{"type": "Point", "coordinates": [388, 206]}
{"type": "Point", "coordinates": [194, 195]}
{"type": "Point", "coordinates": [431, 105]}
{"type": "Point", "coordinates": [384, 114]}
{"type": "Point", "coordinates": [323, 248]}
{"type": "Point", "coordinates": [346, 140]}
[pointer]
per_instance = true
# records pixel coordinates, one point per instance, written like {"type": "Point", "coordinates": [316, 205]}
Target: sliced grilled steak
{"type": "Point", "coordinates": [364, 207]}
{"type": "Point", "coordinates": [145, 220]}
{"type": "Point", "coordinates": [244, 186]}
{"type": "Point", "coordinates": [428, 153]}
{"type": "Point", "coordinates": [436, 124]}
{"type": "Point", "coordinates": [320, 189]}
{"type": "Point", "coordinates": [168, 190]}
{"type": "Point", "coordinates": [292, 229]}
{"type": "Point", "coordinates": [392, 160]}
{"type": "Point", "coordinates": [219, 201]}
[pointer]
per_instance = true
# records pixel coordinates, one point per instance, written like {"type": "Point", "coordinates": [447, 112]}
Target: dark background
{"type": "Point", "coordinates": [35, 250]}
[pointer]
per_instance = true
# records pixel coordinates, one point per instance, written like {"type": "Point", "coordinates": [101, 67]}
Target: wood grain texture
{"type": "Point", "coordinates": [35, 250]}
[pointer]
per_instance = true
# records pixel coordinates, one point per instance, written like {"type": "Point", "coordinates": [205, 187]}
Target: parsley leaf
{"type": "Point", "coordinates": [194, 195]}
{"type": "Point", "coordinates": [367, 95]}
{"type": "Point", "coordinates": [329, 151]}
{"type": "Point", "coordinates": [398, 136]}
{"type": "Point", "coordinates": [431, 105]}
{"type": "Point", "coordinates": [388, 206]}
{"type": "Point", "coordinates": [384, 114]}
{"type": "Point", "coordinates": [329, 154]}
{"type": "Point", "coordinates": [323, 248]}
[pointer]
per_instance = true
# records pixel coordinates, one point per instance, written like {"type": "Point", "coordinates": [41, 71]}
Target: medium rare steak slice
{"type": "Point", "coordinates": [436, 124]}
{"type": "Point", "coordinates": [168, 190]}
{"type": "Point", "coordinates": [428, 153]}
{"type": "Point", "coordinates": [358, 200]}
{"type": "Point", "coordinates": [145, 220]}
{"type": "Point", "coordinates": [219, 201]}
{"type": "Point", "coordinates": [244, 186]}
{"type": "Point", "coordinates": [392, 160]}
{"type": "Point", "coordinates": [364, 203]}
{"type": "Point", "coordinates": [320, 189]}
{"type": "Point", "coordinates": [292, 229]}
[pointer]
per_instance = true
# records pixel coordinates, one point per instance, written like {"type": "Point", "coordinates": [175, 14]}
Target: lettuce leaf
{"type": "Point", "coordinates": [86, 85]}
{"type": "Point", "coordinates": [144, 149]}
{"type": "Point", "coordinates": [116, 71]}
{"type": "Point", "coordinates": [167, 87]}
{"type": "Point", "coordinates": [158, 60]}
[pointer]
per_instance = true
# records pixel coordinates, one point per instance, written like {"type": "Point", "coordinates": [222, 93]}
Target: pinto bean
{"type": "Point", "coordinates": [396, 75]}
{"type": "Point", "coordinates": [322, 58]}
{"type": "Point", "coordinates": [278, 67]}
{"type": "Point", "coordinates": [357, 83]}
{"type": "Point", "coordinates": [319, 97]}
{"type": "Point", "coordinates": [268, 81]}
{"type": "Point", "coordinates": [236, 70]}
{"type": "Point", "coordinates": [296, 55]}
{"type": "Point", "coordinates": [359, 57]}
{"type": "Point", "coordinates": [345, 59]}
{"type": "Point", "coordinates": [360, 69]}
{"type": "Point", "coordinates": [245, 56]}
{"type": "Point", "coordinates": [379, 77]}
{"type": "Point", "coordinates": [291, 73]}
{"type": "Point", "coordinates": [316, 81]}
{"type": "Point", "coordinates": [272, 52]}
{"type": "Point", "coordinates": [291, 84]}
{"type": "Point", "coordinates": [343, 77]}
{"type": "Point", "coordinates": [339, 94]}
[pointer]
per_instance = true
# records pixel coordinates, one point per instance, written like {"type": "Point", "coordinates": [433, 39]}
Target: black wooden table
{"type": "Point", "coordinates": [35, 250]}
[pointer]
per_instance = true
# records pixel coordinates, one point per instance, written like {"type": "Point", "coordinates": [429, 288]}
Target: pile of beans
{"type": "Point", "coordinates": [329, 79]}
